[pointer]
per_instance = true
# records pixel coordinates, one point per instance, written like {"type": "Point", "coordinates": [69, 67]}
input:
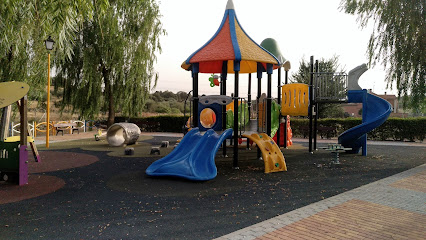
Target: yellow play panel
{"type": "Point", "coordinates": [18, 138]}
{"type": "Point", "coordinates": [295, 99]}
{"type": "Point", "coordinates": [11, 92]}
{"type": "Point", "coordinates": [272, 155]}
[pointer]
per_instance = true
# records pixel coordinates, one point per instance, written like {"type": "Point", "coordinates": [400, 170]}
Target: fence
{"type": "Point", "coordinates": [330, 87]}
{"type": "Point", "coordinates": [35, 127]}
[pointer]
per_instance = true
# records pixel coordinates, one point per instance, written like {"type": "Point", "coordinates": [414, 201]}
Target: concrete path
{"type": "Point", "coordinates": [391, 208]}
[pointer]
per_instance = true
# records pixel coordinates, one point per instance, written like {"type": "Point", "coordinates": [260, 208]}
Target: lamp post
{"type": "Point", "coordinates": [49, 46]}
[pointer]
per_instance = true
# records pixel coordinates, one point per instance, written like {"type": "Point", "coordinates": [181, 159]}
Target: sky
{"type": "Point", "coordinates": [302, 28]}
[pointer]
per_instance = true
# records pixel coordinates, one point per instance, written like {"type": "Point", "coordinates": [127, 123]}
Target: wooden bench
{"type": "Point", "coordinates": [60, 127]}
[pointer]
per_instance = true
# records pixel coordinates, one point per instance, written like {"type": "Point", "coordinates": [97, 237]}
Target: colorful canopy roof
{"type": "Point", "coordinates": [230, 43]}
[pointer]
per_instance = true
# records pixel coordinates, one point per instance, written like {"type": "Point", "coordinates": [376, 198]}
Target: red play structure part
{"type": "Point", "coordinates": [289, 134]}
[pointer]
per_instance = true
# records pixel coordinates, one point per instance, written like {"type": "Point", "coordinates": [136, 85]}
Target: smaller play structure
{"type": "Point", "coordinates": [344, 89]}
{"type": "Point", "coordinates": [120, 134]}
{"type": "Point", "coordinates": [13, 153]}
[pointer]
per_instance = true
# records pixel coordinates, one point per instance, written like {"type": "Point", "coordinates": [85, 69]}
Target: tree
{"type": "Point", "coordinates": [398, 41]}
{"type": "Point", "coordinates": [24, 25]}
{"type": "Point", "coordinates": [330, 110]}
{"type": "Point", "coordinates": [112, 66]}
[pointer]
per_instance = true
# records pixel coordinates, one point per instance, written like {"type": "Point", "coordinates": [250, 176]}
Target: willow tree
{"type": "Point", "coordinates": [398, 41]}
{"type": "Point", "coordinates": [24, 25]}
{"type": "Point", "coordinates": [112, 68]}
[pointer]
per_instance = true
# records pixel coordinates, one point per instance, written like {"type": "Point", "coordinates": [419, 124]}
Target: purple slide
{"type": "Point", "coordinates": [375, 111]}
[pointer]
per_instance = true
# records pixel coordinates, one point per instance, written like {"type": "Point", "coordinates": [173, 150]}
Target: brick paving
{"type": "Point", "coordinates": [391, 208]}
{"type": "Point", "coordinates": [415, 183]}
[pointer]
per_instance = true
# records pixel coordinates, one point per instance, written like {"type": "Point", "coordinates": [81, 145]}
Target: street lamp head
{"type": "Point", "coordinates": [49, 43]}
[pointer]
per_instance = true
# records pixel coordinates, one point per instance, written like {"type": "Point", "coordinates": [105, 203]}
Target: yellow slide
{"type": "Point", "coordinates": [272, 155]}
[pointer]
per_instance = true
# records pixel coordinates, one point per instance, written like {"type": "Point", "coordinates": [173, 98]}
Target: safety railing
{"type": "Point", "coordinates": [40, 127]}
{"type": "Point", "coordinates": [330, 87]}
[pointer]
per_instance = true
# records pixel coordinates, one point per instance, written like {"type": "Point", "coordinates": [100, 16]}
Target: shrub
{"type": "Point", "coordinates": [168, 123]}
{"type": "Point", "coordinates": [399, 129]}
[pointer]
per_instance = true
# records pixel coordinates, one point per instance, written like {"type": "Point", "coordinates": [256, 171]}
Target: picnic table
{"type": "Point", "coordinates": [60, 127]}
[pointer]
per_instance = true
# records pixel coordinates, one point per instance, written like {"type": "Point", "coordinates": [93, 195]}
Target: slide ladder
{"type": "Point", "coordinates": [271, 153]}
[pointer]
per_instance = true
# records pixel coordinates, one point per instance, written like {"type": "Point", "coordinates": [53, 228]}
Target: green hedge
{"type": "Point", "coordinates": [398, 129]}
{"type": "Point", "coordinates": [163, 123]}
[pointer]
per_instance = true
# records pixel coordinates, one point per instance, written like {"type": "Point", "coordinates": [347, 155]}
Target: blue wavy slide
{"type": "Point", "coordinates": [375, 111]}
{"type": "Point", "coordinates": [193, 158]}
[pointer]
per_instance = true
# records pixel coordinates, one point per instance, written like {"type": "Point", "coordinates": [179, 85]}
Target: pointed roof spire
{"type": "Point", "coordinates": [230, 5]}
{"type": "Point", "coordinates": [230, 44]}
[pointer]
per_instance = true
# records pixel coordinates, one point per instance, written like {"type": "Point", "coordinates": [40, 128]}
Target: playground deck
{"type": "Point", "coordinates": [100, 193]}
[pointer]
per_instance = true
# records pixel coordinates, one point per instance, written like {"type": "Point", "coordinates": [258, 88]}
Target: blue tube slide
{"type": "Point", "coordinates": [193, 158]}
{"type": "Point", "coordinates": [375, 111]}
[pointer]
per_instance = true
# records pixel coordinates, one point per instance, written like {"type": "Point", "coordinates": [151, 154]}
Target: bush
{"type": "Point", "coordinates": [157, 123]}
{"type": "Point", "coordinates": [162, 107]}
{"type": "Point", "coordinates": [397, 129]}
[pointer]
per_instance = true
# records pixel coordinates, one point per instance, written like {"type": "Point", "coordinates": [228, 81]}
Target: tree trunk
{"type": "Point", "coordinates": [109, 92]}
{"type": "Point", "coordinates": [111, 110]}
{"type": "Point", "coordinates": [7, 69]}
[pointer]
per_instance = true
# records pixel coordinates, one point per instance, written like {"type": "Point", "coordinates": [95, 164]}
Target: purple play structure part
{"type": "Point", "coordinates": [193, 158]}
{"type": "Point", "coordinates": [375, 111]}
{"type": "Point", "coordinates": [23, 165]}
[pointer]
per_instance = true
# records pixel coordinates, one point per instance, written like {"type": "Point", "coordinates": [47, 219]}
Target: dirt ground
{"type": "Point", "coordinates": [113, 198]}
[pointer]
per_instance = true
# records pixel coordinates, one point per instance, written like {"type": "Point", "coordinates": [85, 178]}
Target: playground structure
{"type": "Point", "coordinates": [231, 50]}
{"type": "Point", "coordinates": [13, 153]}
